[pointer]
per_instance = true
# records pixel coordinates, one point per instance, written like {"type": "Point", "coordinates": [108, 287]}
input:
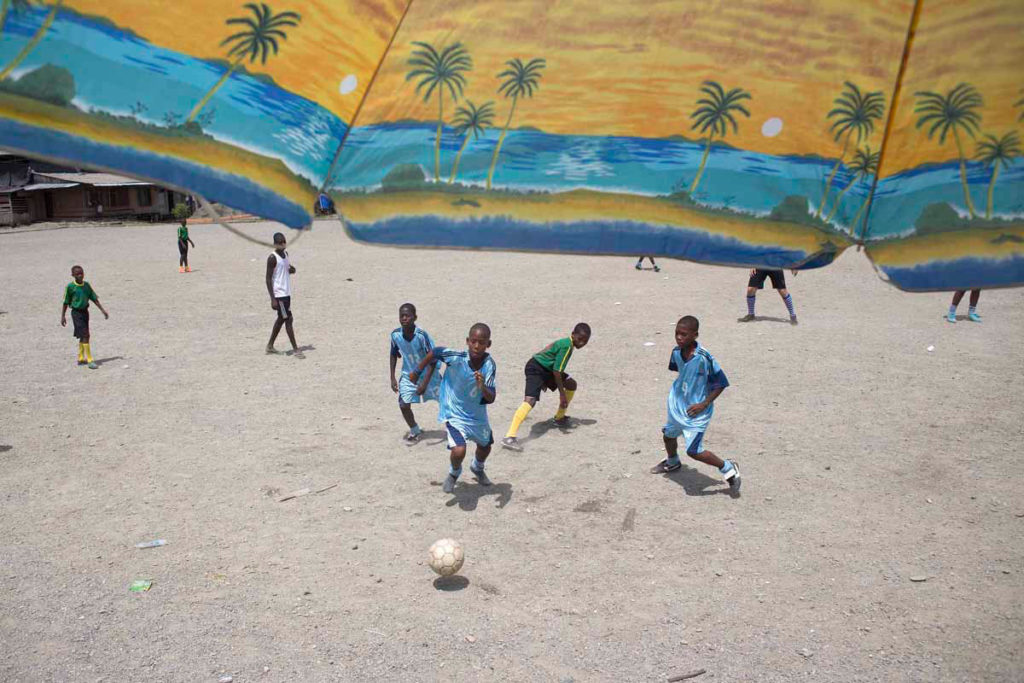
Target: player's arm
{"type": "Point", "coordinates": [64, 315]}
{"type": "Point", "coordinates": [486, 389]}
{"type": "Point", "coordinates": [394, 362]}
{"type": "Point", "coordinates": [717, 382]}
{"type": "Point", "coordinates": [421, 388]}
{"type": "Point", "coordinates": [271, 263]}
{"type": "Point", "coordinates": [428, 359]}
{"type": "Point", "coordinates": [191, 242]}
{"type": "Point", "coordinates": [100, 306]}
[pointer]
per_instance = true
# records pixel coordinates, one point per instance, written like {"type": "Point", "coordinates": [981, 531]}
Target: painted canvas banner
{"type": "Point", "coordinates": [746, 133]}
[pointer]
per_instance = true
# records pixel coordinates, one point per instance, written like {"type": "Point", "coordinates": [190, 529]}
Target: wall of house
{"type": "Point", "coordinates": [83, 202]}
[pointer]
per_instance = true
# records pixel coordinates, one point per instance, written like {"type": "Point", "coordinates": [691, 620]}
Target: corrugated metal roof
{"type": "Point", "coordinates": [94, 179]}
{"type": "Point", "coordinates": [45, 186]}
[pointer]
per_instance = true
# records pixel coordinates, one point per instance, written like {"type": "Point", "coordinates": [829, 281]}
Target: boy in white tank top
{"type": "Point", "coordinates": [279, 286]}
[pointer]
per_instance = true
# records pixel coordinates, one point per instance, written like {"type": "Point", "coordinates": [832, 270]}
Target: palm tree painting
{"type": "Point", "coordinates": [955, 111]}
{"type": "Point", "coordinates": [865, 163]}
{"type": "Point", "coordinates": [714, 115]}
{"type": "Point", "coordinates": [439, 71]}
{"type": "Point", "coordinates": [19, 6]}
{"type": "Point", "coordinates": [855, 114]}
{"type": "Point", "coordinates": [256, 41]}
{"type": "Point", "coordinates": [994, 152]}
{"type": "Point", "coordinates": [470, 120]}
{"type": "Point", "coordinates": [521, 80]}
{"type": "Point", "coordinates": [1020, 103]}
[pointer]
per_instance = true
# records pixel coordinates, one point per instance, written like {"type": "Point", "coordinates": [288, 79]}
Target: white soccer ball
{"type": "Point", "coordinates": [446, 556]}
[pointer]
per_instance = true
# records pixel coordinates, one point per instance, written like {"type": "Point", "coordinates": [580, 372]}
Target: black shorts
{"type": "Point", "coordinates": [539, 378]}
{"type": "Point", "coordinates": [777, 276]}
{"type": "Point", "coordinates": [80, 319]}
{"type": "Point", "coordinates": [182, 247]}
{"type": "Point", "coordinates": [284, 307]}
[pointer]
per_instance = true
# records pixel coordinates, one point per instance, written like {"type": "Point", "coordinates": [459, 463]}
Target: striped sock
{"type": "Point", "coordinates": [750, 304]}
{"type": "Point", "coordinates": [952, 309]}
{"type": "Point", "coordinates": [477, 465]}
{"type": "Point", "coordinates": [973, 310]}
{"type": "Point", "coordinates": [788, 299]}
{"type": "Point", "coordinates": [454, 472]}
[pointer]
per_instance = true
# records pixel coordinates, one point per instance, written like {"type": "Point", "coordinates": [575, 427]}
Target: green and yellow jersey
{"type": "Point", "coordinates": [555, 355]}
{"type": "Point", "coordinates": [78, 296]}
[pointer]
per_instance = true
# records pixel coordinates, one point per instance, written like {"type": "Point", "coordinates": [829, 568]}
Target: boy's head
{"type": "Point", "coordinates": [78, 274]}
{"type": "Point", "coordinates": [478, 341]}
{"type": "Point", "coordinates": [686, 331]}
{"type": "Point", "coordinates": [407, 316]}
{"type": "Point", "coordinates": [279, 240]}
{"type": "Point", "coordinates": [580, 335]}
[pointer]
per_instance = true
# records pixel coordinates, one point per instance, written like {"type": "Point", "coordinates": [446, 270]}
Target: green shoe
{"type": "Point", "coordinates": [93, 366]}
{"type": "Point", "coordinates": [951, 317]}
{"type": "Point", "coordinates": [974, 317]}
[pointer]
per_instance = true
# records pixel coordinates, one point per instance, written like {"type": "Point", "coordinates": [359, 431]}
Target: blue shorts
{"type": "Point", "coordinates": [482, 436]}
{"type": "Point", "coordinates": [407, 390]}
{"type": "Point", "coordinates": [693, 438]}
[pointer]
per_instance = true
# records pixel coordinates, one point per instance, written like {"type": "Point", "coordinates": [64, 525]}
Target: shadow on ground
{"type": "Point", "coordinates": [696, 483]}
{"type": "Point", "coordinates": [539, 429]}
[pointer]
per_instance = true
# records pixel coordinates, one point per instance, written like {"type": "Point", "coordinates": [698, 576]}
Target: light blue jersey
{"type": "Point", "coordinates": [462, 406]}
{"type": "Point", "coordinates": [697, 377]}
{"type": "Point", "coordinates": [412, 352]}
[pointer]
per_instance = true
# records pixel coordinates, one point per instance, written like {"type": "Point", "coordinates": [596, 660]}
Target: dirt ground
{"type": "Point", "coordinates": [869, 464]}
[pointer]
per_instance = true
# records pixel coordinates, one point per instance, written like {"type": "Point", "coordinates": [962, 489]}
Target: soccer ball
{"type": "Point", "coordinates": [446, 556]}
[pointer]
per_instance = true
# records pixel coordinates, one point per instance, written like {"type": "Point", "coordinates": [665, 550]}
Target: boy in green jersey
{"type": "Point", "coordinates": [183, 239]}
{"type": "Point", "coordinates": [546, 370]}
{"type": "Point", "coordinates": [77, 296]}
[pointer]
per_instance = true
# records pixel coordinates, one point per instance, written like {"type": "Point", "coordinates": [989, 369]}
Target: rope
{"type": "Point", "coordinates": [212, 214]}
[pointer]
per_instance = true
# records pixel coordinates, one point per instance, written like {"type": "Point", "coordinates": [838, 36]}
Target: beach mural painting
{"type": "Point", "coordinates": [747, 133]}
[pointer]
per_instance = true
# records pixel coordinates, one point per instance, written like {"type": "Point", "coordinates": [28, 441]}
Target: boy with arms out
{"type": "Point", "coordinates": [77, 295]}
{"type": "Point", "coordinates": [466, 389]}
{"type": "Point", "coordinates": [279, 286]}
{"type": "Point", "coordinates": [690, 403]}
{"type": "Point", "coordinates": [412, 344]}
{"type": "Point", "coordinates": [546, 371]}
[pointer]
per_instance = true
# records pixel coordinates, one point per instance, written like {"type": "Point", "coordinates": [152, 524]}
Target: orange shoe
{"type": "Point", "coordinates": [187, 269]}
{"type": "Point", "coordinates": [181, 269]}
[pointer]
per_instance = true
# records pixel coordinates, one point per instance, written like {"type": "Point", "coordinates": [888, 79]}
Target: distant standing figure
{"type": "Point", "coordinates": [279, 286]}
{"type": "Point", "coordinates": [756, 282]}
{"type": "Point", "coordinates": [183, 241]}
{"type": "Point", "coordinates": [972, 313]}
{"type": "Point", "coordinates": [640, 262]}
{"type": "Point", "coordinates": [77, 296]}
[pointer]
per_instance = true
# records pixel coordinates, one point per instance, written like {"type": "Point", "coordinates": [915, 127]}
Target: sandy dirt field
{"type": "Point", "coordinates": [869, 464]}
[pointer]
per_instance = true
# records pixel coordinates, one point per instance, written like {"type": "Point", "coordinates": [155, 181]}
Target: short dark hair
{"type": "Point", "coordinates": [689, 321]}
{"type": "Point", "coordinates": [482, 327]}
{"type": "Point", "coordinates": [79, 267]}
{"type": "Point", "coordinates": [582, 327]}
{"type": "Point", "coordinates": [278, 238]}
{"type": "Point", "coordinates": [407, 306]}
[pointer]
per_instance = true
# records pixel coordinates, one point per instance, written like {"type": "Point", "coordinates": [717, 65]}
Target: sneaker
{"type": "Point", "coordinates": [481, 476]}
{"type": "Point", "coordinates": [411, 438]}
{"type": "Point", "coordinates": [657, 269]}
{"type": "Point", "coordinates": [449, 484]}
{"type": "Point", "coordinates": [188, 269]}
{"type": "Point", "coordinates": [664, 468]}
{"type": "Point", "coordinates": [299, 354]}
{"type": "Point", "coordinates": [271, 351]}
{"type": "Point", "coordinates": [181, 269]}
{"type": "Point", "coordinates": [512, 443]}
{"type": "Point", "coordinates": [732, 477]}
{"type": "Point", "coordinates": [92, 365]}
{"type": "Point", "coordinates": [792, 320]}
{"type": "Point", "coordinates": [82, 362]}
{"type": "Point", "coordinates": [974, 317]}
{"type": "Point", "coordinates": [746, 319]}
{"type": "Point", "coordinates": [951, 317]}
{"type": "Point", "coordinates": [564, 421]}
{"type": "Point", "coordinates": [638, 266]}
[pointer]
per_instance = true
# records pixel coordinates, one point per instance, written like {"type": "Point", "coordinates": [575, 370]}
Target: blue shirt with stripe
{"type": "Point", "coordinates": [698, 376]}
{"type": "Point", "coordinates": [462, 404]}
{"type": "Point", "coordinates": [412, 351]}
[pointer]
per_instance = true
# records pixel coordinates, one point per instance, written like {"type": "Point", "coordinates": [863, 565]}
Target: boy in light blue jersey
{"type": "Point", "coordinates": [412, 344]}
{"type": "Point", "coordinates": [468, 386]}
{"type": "Point", "coordinates": [691, 403]}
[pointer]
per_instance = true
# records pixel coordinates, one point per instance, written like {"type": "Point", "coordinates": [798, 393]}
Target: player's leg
{"type": "Point", "coordinates": [457, 453]}
{"type": "Point", "coordinates": [754, 283]}
{"type": "Point", "coordinates": [534, 384]}
{"type": "Point", "coordinates": [640, 263]}
{"type": "Point", "coordinates": [957, 296]}
{"type": "Point", "coordinates": [477, 466]}
{"type": "Point", "coordinates": [184, 258]}
{"type": "Point", "coordinates": [972, 312]}
{"type": "Point", "coordinates": [695, 449]}
{"type": "Point", "coordinates": [570, 390]}
{"type": "Point", "coordinates": [82, 324]}
{"type": "Point", "coordinates": [181, 257]}
{"type": "Point", "coordinates": [415, 433]}
{"type": "Point", "coordinates": [285, 304]}
{"type": "Point", "coordinates": [656, 268]}
{"type": "Point", "coordinates": [670, 434]}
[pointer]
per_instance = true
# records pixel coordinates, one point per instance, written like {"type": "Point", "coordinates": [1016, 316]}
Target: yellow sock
{"type": "Point", "coordinates": [88, 352]}
{"type": "Point", "coordinates": [517, 419]}
{"type": "Point", "coordinates": [81, 352]}
{"type": "Point", "coordinates": [568, 399]}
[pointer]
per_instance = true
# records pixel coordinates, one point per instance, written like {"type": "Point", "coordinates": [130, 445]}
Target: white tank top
{"type": "Point", "coordinates": [282, 278]}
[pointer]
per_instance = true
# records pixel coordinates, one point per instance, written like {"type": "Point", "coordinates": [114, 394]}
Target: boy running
{"type": "Point", "coordinates": [183, 239]}
{"type": "Point", "coordinates": [691, 403]}
{"type": "Point", "coordinates": [756, 282]}
{"type": "Point", "coordinates": [546, 371]}
{"type": "Point", "coordinates": [972, 311]}
{"type": "Point", "coordinates": [640, 263]}
{"type": "Point", "coordinates": [412, 344]}
{"type": "Point", "coordinates": [77, 295]}
{"type": "Point", "coordinates": [468, 386]}
{"type": "Point", "coordinates": [279, 286]}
